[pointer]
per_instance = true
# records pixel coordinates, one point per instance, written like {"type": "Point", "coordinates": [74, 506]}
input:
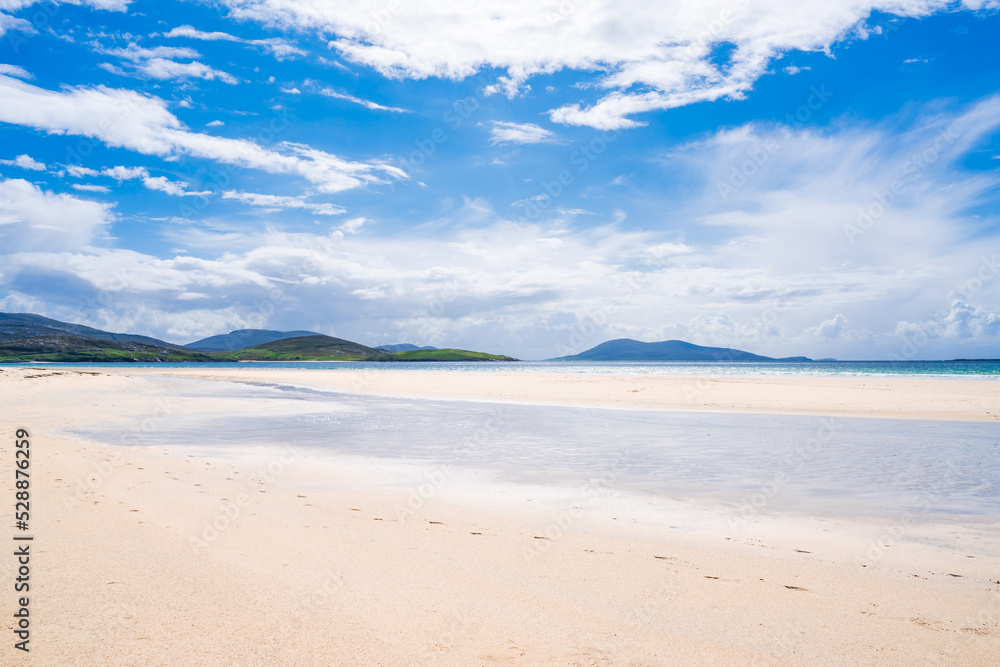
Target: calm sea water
{"type": "Point", "coordinates": [970, 369]}
{"type": "Point", "coordinates": [800, 463]}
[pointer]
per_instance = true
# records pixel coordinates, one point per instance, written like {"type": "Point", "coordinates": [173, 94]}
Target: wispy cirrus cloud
{"type": "Point", "coordinates": [504, 132]}
{"type": "Point", "coordinates": [278, 202]}
{"type": "Point", "coordinates": [14, 70]}
{"type": "Point", "coordinates": [281, 49]}
{"type": "Point", "coordinates": [326, 91]}
{"type": "Point", "coordinates": [162, 62]}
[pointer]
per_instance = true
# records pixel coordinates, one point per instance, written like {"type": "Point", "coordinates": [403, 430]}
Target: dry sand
{"type": "Point", "coordinates": [903, 398]}
{"type": "Point", "coordinates": [314, 562]}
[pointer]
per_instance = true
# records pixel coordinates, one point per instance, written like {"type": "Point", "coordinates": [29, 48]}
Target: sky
{"type": "Point", "coordinates": [526, 178]}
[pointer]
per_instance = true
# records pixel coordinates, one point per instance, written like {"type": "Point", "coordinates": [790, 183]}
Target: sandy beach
{"type": "Point", "coordinates": [154, 554]}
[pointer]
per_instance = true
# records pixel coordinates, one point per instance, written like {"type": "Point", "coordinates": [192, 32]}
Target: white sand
{"type": "Point", "coordinates": [329, 562]}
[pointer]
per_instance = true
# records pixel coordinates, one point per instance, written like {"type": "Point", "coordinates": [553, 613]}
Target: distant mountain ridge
{"type": "Point", "coordinates": [404, 347]}
{"type": "Point", "coordinates": [626, 349]}
{"type": "Point", "coordinates": [25, 337]}
{"type": "Point", "coordinates": [243, 338]}
{"type": "Point", "coordinates": [26, 325]}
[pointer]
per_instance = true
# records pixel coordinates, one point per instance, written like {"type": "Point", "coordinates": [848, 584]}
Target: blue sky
{"type": "Point", "coordinates": [525, 178]}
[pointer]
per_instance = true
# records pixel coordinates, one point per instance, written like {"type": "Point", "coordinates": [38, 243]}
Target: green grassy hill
{"type": "Point", "coordinates": [304, 348]}
{"type": "Point", "coordinates": [447, 354]}
{"type": "Point", "coordinates": [67, 348]}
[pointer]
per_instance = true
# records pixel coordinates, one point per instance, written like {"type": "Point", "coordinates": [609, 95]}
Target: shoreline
{"type": "Point", "coordinates": [179, 555]}
{"type": "Point", "coordinates": [898, 398]}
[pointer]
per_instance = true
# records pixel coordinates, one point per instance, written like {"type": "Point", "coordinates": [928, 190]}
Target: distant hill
{"type": "Point", "coordinates": [304, 348]}
{"type": "Point", "coordinates": [242, 338]}
{"type": "Point", "coordinates": [25, 338]}
{"type": "Point", "coordinates": [15, 326]}
{"type": "Point", "coordinates": [447, 354]}
{"type": "Point", "coordinates": [404, 347]}
{"type": "Point", "coordinates": [626, 349]}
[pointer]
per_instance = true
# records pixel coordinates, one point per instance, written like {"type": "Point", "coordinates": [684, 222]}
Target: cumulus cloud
{"type": "Point", "coordinates": [25, 162]}
{"type": "Point", "coordinates": [32, 219]}
{"type": "Point", "coordinates": [646, 56]}
{"type": "Point", "coordinates": [124, 118]}
{"type": "Point", "coordinates": [503, 132]}
{"type": "Point", "coordinates": [835, 327]}
{"type": "Point", "coordinates": [962, 320]}
{"type": "Point", "coordinates": [76, 171]}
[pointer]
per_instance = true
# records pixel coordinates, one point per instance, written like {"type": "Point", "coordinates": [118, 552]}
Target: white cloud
{"type": "Point", "coordinates": [353, 225]}
{"type": "Point", "coordinates": [90, 188]}
{"type": "Point", "coordinates": [160, 63]}
{"type": "Point", "coordinates": [767, 268]}
{"type": "Point", "coordinates": [13, 70]}
{"type": "Point", "coordinates": [160, 183]}
{"type": "Point", "coordinates": [215, 123]}
{"type": "Point", "coordinates": [647, 56]}
{"type": "Point", "coordinates": [835, 327]}
{"type": "Point", "coordinates": [120, 173]}
{"type": "Point", "coordinates": [503, 132]}
{"type": "Point", "coordinates": [368, 104]}
{"type": "Point", "coordinates": [124, 118]}
{"type": "Point", "coordinates": [25, 162]}
{"type": "Point", "coordinates": [163, 184]}
{"type": "Point", "coordinates": [192, 33]}
{"type": "Point", "coordinates": [32, 219]}
{"type": "Point", "coordinates": [8, 22]}
{"type": "Point", "coordinates": [291, 91]}
{"type": "Point", "coordinates": [279, 202]}
{"type": "Point", "coordinates": [962, 320]}
{"type": "Point", "coordinates": [77, 171]}
{"type": "Point", "coordinates": [279, 48]}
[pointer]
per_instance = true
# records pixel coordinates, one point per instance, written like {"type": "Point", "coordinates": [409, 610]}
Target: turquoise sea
{"type": "Point", "coordinates": [971, 369]}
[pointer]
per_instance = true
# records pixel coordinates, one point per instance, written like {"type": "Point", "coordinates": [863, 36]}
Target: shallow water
{"type": "Point", "coordinates": [987, 370]}
{"type": "Point", "coordinates": [816, 464]}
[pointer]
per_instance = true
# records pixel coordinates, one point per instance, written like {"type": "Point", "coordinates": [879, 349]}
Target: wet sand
{"type": "Point", "coordinates": [168, 555]}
